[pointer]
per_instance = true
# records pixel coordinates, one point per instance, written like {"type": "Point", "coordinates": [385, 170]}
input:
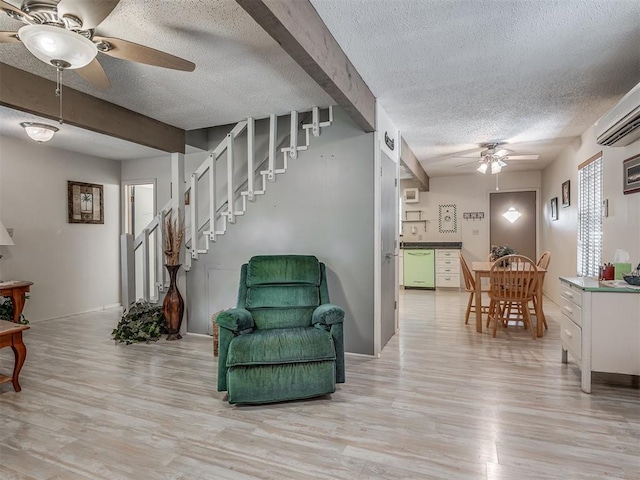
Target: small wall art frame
{"type": "Point", "coordinates": [566, 193]}
{"type": "Point", "coordinates": [554, 208]}
{"type": "Point", "coordinates": [85, 202]}
{"type": "Point", "coordinates": [411, 195]}
{"type": "Point", "coordinates": [631, 175]}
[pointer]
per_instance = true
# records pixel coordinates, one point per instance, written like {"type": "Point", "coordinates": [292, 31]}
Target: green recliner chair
{"type": "Point", "coordinates": [284, 340]}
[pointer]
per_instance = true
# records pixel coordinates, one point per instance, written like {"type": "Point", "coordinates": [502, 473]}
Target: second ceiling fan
{"type": "Point", "coordinates": [493, 159]}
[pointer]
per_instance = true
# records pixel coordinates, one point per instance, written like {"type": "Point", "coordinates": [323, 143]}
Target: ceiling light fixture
{"type": "Point", "coordinates": [57, 46]}
{"type": "Point", "coordinates": [39, 131]}
{"type": "Point", "coordinates": [512, 214]}
{"type": "Point", "coordinates": [494, 161]}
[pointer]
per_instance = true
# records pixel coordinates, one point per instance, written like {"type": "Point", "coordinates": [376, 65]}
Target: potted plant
{"type": "Point", "coordinates": [141, 322]}
{"type": "Point", "coordinates": [499, 251]}
{"type": "Point", "coordinates": [173, 304]}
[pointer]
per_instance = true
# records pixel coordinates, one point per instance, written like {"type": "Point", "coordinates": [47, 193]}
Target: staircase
{"type": "Point", "coordinates": [217, 193]}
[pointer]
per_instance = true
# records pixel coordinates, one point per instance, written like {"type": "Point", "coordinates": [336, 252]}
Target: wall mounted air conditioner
{"type": "Point", "coordinates": [621, 125]}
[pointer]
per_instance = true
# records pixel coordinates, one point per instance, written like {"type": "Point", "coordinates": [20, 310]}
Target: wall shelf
{"type": "Point", "coordinates": [414, 216]}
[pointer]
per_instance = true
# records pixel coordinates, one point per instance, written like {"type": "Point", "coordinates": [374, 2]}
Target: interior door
{"type": "Point", "coordinates": [519, 234]}
{"type": "Point", "coordinates": [139, 211]}
{"type": "Point", "coordinates": [388, 224]}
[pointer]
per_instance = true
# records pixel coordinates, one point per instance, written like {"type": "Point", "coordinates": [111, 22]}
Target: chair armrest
{"type": "Point", "coordinates": [238, 320]}
{"type": "Point", "coordinates": [327, 314]}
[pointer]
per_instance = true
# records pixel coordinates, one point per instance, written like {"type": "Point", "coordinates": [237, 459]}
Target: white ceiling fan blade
{"type": "Point", "coordinates": [465, 164]}
{"type": "Point", "coordinates": [90, 12]}
{"type": "Point", "coordinates": [523, 157]}
{"type": "Point", "coordinates": [503, 152]}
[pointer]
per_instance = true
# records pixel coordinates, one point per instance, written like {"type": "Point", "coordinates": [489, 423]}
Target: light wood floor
{"type": "Point", "coordinates": [442, 402]}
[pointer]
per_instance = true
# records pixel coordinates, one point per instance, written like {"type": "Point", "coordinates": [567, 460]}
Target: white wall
{"type": "Point", "coordinates": [621, 229]}
{"type": "Point", "coordinates": [470, 193]}
{"type": "Point", "coordinates": [74, 267]}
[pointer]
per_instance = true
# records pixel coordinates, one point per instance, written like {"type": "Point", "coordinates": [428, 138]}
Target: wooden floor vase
{"type": "Point", "coordinates": [173, 305]}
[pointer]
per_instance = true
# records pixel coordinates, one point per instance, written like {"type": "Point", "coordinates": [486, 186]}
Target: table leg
{"type": "Point", "coordinates": [20, 353]}
{"type": "Point", "coordinates": [478, 296]}
{"type": "Point", "coordinates": [17, 298]}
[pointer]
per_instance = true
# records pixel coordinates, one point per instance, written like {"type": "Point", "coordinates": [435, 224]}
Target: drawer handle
{"type": "Point", "coordinates": [420, 281]}
{"type": "Point", "coordinates": [448, 270]}
{"type": "Point", "coordinates": [567, 309]}
{"type": "Point", "coordinates": [568, 333]}
{"type": "Point", "coordinates": [568, 294]}
{"type": "Point", "coordinates": [447, 278]}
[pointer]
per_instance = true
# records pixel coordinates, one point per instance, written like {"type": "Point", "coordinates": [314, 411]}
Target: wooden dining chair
{"type": "Point", "coordinates": [512, 282]}
{"type": "Point", "coordinates": [470, 288]}
{"type": "Point", "coordinates": [543, 262]}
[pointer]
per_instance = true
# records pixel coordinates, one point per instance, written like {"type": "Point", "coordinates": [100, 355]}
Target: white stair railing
{"type": "Point", "coordinates": [221, 212]}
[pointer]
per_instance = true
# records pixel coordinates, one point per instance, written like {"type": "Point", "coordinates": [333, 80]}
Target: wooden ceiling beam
{"type": "Point", "coordinates": [300, 31]}
{"type": "Point", "coordinates": [414, 166]}
{"type": "Point", "coordinates": [30, 93]}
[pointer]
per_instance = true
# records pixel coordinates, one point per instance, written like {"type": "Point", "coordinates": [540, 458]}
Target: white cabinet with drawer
{"type": "Point", "coordinates": [599, 328]}
{"type": "Point", "coordinates": [447, 268]}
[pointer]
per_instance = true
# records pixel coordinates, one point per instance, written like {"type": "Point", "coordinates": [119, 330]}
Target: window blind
{"type": "Point", "coordinates": [590, 217]}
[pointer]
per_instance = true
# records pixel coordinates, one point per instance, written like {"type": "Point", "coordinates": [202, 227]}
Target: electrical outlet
{"type": "Point", "coordinates": [419, 237]}
{"type": "Point", "coordinates": [475, 232]}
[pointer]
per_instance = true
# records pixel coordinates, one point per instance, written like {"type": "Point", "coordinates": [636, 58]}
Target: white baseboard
{"type": "Point", "coordinates": [92, 310]}
{"type": "Point", "coordinates": [365, 355]}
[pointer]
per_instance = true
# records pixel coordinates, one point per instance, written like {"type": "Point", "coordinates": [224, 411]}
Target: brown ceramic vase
{"type": "Point", "coordinates": [173, 305]}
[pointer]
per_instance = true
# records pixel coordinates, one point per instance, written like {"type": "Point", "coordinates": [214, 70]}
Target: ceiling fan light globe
{"type": "Point", "coordinates": [58, 46]}
{"type": "Point", "coordinates": [482, 168]}
{"type": "Point", "coordinates": [495, 167]}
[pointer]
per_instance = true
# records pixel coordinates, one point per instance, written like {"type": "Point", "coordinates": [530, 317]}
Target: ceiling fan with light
{"type": "Point", "coordinates": [493, 159]}
{"type": "Point", "coordinates": [61, 33]}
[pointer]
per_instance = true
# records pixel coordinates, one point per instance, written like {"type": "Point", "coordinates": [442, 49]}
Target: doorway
{"type": "Point", "coordinates": [519, 230]}
{"type": "Point", "coordinates": [139, 207]}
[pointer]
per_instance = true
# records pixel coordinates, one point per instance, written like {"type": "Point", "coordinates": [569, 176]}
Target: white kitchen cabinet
{"type": "Point", "coordinates": [600, 328]}
{"type": "Point", "coordinates": [447, 268]}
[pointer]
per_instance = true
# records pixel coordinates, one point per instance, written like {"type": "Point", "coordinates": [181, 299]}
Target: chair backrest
{"type": "Point", "coordinates": [469, 281]}
{"type": "Point", "coordinates": [543, 261]}
{"type": "Point", "coordinates": [282, 291]}
{"type": "Point", "coordinates": [513, 278]}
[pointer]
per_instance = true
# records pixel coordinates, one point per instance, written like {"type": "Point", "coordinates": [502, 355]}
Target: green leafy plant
{"type": "Point", "coordinates": [498, 251]}
{"type": "Point", "coordinates": [141, 322]}
{"type": "Point", "coordinates": [6, 311]}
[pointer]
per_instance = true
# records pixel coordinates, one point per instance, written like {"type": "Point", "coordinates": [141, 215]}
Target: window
{"type": "Point", "coordinates": [590, 216]}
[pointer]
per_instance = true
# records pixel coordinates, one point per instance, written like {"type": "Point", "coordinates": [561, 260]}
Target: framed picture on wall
{"type": "Point", "coordinates": [566, 194]}
{"type": "Point", "coordinates": [631, 172]}
{"type": "Point", "coordinates": [85, 203]}
{"type": "Point", "coordinates": [554, 208]}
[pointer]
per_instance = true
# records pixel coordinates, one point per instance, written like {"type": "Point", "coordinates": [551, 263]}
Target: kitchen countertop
{"type": "Point", "coordinates": [590, 284]}
{"type": "Point", "coordinates": [434, 245]}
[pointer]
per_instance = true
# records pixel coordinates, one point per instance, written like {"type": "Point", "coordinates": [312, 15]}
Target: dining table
{"type": "Point", "coordinates": [482, 269]}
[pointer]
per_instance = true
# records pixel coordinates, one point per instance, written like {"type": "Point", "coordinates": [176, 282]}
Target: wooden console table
{"type": "Point", "coordinates": [16, 291]}
{"type": "Point", "coordinates": [11, 336]}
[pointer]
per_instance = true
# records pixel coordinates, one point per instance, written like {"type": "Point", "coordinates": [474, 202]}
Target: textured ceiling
{"type": "Point", "coordinates": [451, 74]}
{"type": "Point", "coordinates": [455, 74]}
